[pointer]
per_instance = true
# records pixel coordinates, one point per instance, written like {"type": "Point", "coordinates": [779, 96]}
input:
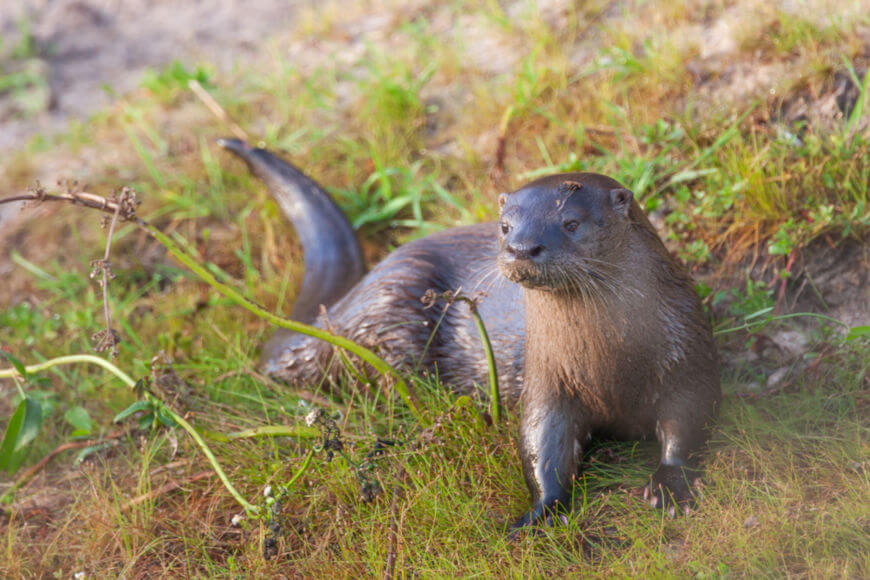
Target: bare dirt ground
{"type": "Point", "coordinates": [83, 46]}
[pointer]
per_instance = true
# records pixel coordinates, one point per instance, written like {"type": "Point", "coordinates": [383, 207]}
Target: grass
{"type": "Point", "coordinates": [24, 78]}
{"type": "Point", "coordinates": [403, 125]}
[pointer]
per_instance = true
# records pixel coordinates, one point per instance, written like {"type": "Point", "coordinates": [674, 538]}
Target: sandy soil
{"type": "Point", "coordinates": [84, 45]}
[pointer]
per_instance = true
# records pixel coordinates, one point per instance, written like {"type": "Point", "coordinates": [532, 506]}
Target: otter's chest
{"type": "Point", "coordinates": [607, 369]}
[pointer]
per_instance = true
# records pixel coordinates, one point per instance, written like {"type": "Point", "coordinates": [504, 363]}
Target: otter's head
{"type": "Point", "coordinates": [562, 232]}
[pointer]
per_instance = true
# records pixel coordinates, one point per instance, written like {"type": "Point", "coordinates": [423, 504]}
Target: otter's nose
{"type": "Point", "coordinates": [524, 251]}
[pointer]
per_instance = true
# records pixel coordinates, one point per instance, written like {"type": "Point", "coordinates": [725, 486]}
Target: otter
{"type": "Point", "coordinates": [597, 331]}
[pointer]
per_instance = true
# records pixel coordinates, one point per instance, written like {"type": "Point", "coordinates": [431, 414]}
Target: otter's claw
{"type": "Point", "coordinates": [671, 488]}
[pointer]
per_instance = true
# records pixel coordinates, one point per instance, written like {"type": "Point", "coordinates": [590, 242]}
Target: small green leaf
{"type": "Point", "coordinates": [32, 422]}
{"type": "Point", "coordinates": [80, 419]}
{"type": "Point", "coordinates": [165, 418]}
{"type": "Point", "coordinates": [134, 408]}
{"type": "Point", "coordinates": [19, 366]}
{"type": "Point", "coordinates": [147, 421]}
{"type": "Point", "coordinates": [21, 430]}
{"type": "Point", "coordinates": [10, 438]}
{"type": "Point", "coordinates": [690, 175]}
{"type": "Point", "coordinates": [758, 313]}
{"type": "Point", "coordinates": [91, 449]}
{"type": "Point", "coordinates": [858, 332]}
{"type": "Point", "coordinates": [139, 388]}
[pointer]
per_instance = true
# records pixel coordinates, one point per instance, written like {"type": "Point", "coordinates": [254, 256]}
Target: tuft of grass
{"type": "Point", "coordinates": [172, 81]}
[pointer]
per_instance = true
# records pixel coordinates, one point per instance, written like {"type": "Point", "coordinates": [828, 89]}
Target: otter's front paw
{"type": "Point", "coordinates": [540, 515]}
{"type": "Point", "coordinates": [672, 487]}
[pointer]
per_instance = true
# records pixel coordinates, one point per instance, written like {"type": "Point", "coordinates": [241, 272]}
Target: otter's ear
{"type": "Point", "coordinates": [502, 199]}
{"type": "Point", "coordinates": [620, 200]}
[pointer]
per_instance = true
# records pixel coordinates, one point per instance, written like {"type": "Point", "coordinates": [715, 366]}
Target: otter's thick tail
{"type": "Point", "coordinates": [333, 257]}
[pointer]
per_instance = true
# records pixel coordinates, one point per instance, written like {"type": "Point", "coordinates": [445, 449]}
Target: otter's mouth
{"type": "Point", "coordinates": [526, 274]}
{"type": "Point", "coordinates": [548, 278]}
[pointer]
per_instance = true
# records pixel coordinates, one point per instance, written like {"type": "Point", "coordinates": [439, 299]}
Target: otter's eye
{"type": "Point", "coordinates": [571, 225]}
{"type": "Point", "coordinates": [505, 228]}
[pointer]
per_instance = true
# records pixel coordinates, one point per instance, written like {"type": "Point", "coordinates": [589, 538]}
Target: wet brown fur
{"type": "Point", "coordinates": [617, 342]}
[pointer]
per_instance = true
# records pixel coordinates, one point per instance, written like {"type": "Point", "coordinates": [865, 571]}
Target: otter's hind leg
{"type": "Point", "coordinates": [682, 431]}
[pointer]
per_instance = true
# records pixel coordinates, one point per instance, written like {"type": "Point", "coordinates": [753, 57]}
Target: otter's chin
{"type": "Point", "coordinates": [525, 275]}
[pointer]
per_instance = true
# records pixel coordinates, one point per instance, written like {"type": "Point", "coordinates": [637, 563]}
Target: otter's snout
{"type": "Point", "coordinates": [522, 262]}
{"type": "Point", "coordinates": [527, 251]}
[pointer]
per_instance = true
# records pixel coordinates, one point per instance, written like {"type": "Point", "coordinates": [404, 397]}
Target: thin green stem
{"type": "Point", "coordinates": [72, 359]}
{"type": "Point", "coordinates": [302, 431]}
{"type": "Point", "coordinates": [301, 469]}
{"type": "Point", "coordinates": [250, 508]}
{"type": "Point", "coordinates": [760, 323]}
{"type": "Point", "coordinates": [494, 400]}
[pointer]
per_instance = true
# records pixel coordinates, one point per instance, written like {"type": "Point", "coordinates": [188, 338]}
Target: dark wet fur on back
{"type": "Point", "coordinates": [384, 312]}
